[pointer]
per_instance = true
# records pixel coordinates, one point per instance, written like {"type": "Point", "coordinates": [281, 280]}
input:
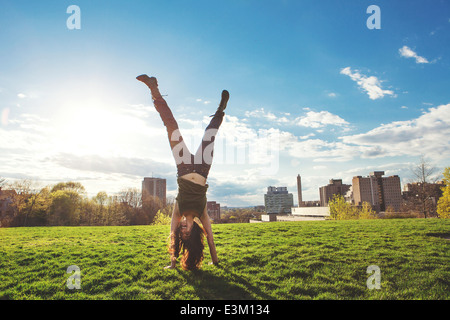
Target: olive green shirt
{"type": "Point", "coordinates": [191, 196]}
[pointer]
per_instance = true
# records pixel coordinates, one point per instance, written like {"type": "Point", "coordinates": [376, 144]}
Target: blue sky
{"type": "Point", "coordinates": [313, 91]}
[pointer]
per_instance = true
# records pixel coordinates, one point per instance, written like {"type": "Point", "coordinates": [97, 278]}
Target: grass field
{"type": "Point", "coordinates": [279, 260]}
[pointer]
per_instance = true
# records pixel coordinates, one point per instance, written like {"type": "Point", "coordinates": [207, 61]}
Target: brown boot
{"type": "Point", "coordinates": [223, 103]}
{"type": "Point", "coordinates": [152, 83]}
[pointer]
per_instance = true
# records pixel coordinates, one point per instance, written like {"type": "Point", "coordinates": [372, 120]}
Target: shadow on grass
{"type": "Point", "coordinates": [210, 286]}
{"type": "Point", "coordinates": [443, 235]}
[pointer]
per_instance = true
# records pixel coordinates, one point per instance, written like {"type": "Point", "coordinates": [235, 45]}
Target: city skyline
{"type": "Point", "coordinates": [335, 187]}
{"type": "Point", "coordinates": [337, 98]}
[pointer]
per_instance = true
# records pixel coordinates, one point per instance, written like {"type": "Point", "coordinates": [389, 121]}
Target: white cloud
{"type": "Point", "coordinates": [193, 123]}
{"type": "Point", "coordinates": [31, 124]}
{"type": "Point", "coordinates": [21, 95]}
{"type": "Point", "coordinates": [406, 52]}
{"type": "Point", "coordinates": [369, 84]}
{"type": "Point", "coordinates": [312, 119]}
{"type": "Point", "coordinates": [140, 110]}
{"type": "Point", "coordinates": [427, 134]}
{"type": "Point", "coordinates": [320, 119]}
{"type": "Point", "coordinates": [321, 150]}
{"type": "Point", "coordinates": [203, 101]}
{"type": "Point", "coordinates": [332, 95]}
{"type": "Point", "coordinates": [307, 136]}
{"type": "Point", "coordinates": [261, 113]}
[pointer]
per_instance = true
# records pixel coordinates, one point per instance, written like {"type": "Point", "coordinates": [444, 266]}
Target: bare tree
{"type": "Point", "coordinates": [23, 200]}
{"type": "Point", "coordinates": [131, 196]}
{"type": "Point", "coordinates": [423, 191]}
{"type": "Point", "coordinates": [131, 201]}
{"type": "Point", "coordinates": [423, 172]}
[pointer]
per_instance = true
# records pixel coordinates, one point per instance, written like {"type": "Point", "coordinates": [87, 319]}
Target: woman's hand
{"type": "Point", "coordinates": [173, 265]}
{"type": "Point", "coordinates": [216, 263]}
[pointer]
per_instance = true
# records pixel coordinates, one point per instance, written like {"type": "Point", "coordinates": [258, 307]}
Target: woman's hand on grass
{"type": "Point", "coordinates": [172, 265]}
{"type": "Point", "coordinates": [216, 263]}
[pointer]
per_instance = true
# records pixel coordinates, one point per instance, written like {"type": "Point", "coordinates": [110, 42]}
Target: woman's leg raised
{"type": "Point", "coordinates": [205, 151]}
{"type": "Point", "coordinates": [176, 141]}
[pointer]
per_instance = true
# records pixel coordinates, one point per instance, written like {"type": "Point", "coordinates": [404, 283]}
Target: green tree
{"type": "Point", "coordinates": [66, 203]}
{"type": "Point", "coordinates": [74, 186]}
{"type": "Point", "coordinates": [443, 205]}
{"type": "Point", "coordinates": [366, 211]}
{"type": "Point", "coordinates": [340, 209]}
{"type": "Point", "coordinates": [64, 209]}
{"type": "Point", "coordinates": [37, 207]}
{"type": "Point", "coordinates": [161, 219]}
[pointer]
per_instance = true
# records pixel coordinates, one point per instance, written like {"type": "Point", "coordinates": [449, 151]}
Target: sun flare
{"type": "Point", "coordinates": [93, 130]}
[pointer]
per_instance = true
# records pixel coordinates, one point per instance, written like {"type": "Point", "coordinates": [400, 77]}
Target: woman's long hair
{"type": "Point", "coordinates": [191, 249]}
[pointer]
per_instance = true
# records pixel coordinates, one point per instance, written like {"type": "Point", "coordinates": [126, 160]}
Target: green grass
{"type": "Point", "coordinates": [280, 260]}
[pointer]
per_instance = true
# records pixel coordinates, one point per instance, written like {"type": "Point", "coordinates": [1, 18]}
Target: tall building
{"type": "Point", "coordinates": [155, 187]}
{"type": "Point", "coordinates": [299, 191]}
{"type": "Point", "coordinates": [213, 209]}
{"type": "Point", "coordinates": [278, 200]}
{"type": "Point", "coordinates": [381, 192]}
{"type": "Point", "coordinates": [334, 187]}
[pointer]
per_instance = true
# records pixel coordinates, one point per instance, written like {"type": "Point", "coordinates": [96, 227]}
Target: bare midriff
{"type": "Point", "coordinates": [195, 177]}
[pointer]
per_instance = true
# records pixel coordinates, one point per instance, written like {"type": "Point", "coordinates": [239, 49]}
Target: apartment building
{"type": "Point", "coordinates": [213, 209]}
{"type": "Point", "coordinates": [381, 192]}
{"type": "Point", "coordinates": [155, 187]}
{"type": "Point", "coordinates": [278, 200]}
{"type": "Point", "coordinates": [334, 187]}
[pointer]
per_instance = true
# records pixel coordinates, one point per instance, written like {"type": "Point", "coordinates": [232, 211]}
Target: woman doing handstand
{"type": "Point", "coordinates": [186, 235]}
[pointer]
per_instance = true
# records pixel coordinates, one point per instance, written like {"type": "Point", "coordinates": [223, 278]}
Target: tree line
{"type": "Point", "coordinates": [67, 204]}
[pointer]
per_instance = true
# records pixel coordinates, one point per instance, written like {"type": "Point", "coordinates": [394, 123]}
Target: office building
{"type": "Point", "coordinates": [335, 187]}
{"type": "Point", "coordinates": [299, 191]}
{"type": "Point", "coordinates": [381, 192]}
{"type": "Point", "coordinates": [154, 187]}
{"type": "Point", "coordinates": [278, 200]}
{"type": "Point", "coordinates": [213, 209]}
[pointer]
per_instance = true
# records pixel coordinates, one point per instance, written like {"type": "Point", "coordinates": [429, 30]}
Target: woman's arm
{"type": "Point", "coordinates": [209, 235]}
{"type": "Point", "coordinates": [176, 217]}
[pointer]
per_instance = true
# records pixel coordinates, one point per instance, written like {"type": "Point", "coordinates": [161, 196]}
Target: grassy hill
{"type": "Point", "coordinates": [280, 260]}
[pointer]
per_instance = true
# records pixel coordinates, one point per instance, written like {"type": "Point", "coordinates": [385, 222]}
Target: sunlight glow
{"type": "Point", "coordinates": [94, 130]}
